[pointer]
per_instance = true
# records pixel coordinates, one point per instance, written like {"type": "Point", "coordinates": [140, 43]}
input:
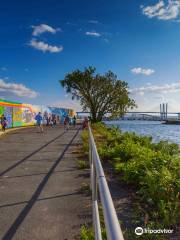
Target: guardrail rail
{"type": "Point", "coordinates": [99, 184]}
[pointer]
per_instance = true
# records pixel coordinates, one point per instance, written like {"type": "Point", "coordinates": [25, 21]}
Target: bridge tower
{"type": "Point", "coordinates": [163, 111]}
{"type": "Point", "coordinates": [178, 116]}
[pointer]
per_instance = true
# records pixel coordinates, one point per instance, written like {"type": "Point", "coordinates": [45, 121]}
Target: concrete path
{"type": "Point", "coordinates": [39, 185]}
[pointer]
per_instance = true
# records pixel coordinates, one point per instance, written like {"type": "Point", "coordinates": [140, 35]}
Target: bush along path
{"type": "Point", "coordinates": [144, 174]}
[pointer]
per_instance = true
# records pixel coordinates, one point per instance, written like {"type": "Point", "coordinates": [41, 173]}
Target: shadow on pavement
{"type": "Point", "coordinates": [30, 155]}
{"type": "Point", "coordinates": [13, 228]}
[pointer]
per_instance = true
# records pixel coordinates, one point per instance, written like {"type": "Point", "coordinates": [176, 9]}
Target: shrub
{"type": "Point", "coordinates": [153, 168]}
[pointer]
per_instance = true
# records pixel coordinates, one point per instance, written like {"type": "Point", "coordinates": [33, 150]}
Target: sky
{"type": "Point", "coordinates": [41, 41]}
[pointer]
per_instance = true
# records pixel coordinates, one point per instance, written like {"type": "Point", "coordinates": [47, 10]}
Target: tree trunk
{"type": "Point", "coordinates": [95, 117]}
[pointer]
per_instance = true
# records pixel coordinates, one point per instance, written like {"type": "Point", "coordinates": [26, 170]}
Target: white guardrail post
{"type": "Point", "coordinates": [98, 182]}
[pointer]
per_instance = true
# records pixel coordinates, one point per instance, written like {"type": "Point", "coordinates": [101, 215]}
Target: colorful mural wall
{"type": "Point", "coordinates": [21, 114]}
{"type": "Point", "coordinates": [62, 112]}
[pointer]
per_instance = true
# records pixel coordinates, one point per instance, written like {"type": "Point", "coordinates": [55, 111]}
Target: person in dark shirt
{"type": "Point", "coordinates": [66, 123]}
{"type": "Point", "coordinates": [85, 123]}
{"type": "Point", "coordinates": [3, 121]}
{"type": "Point", "coordinates": [74, 121]}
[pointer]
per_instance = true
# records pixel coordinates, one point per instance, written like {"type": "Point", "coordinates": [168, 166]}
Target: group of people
{"type": "Point", "coordinates": [45, 120]}
{"type": "Point", "coordinates": [53, 121]}
{"type": "Point", "coordinates": [49, 120]}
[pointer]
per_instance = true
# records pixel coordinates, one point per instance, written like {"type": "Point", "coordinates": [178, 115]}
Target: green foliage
{"type": "Point", "coordinates": [82, 164]}
{"type": "Point", "coordinates": [87, 233]}
{"type": "Point", "coordinates": [101, 94]}
{"type": "Point", "coordinates": [84, 136]}
{"type": "Point", "coordinates": [152, 168]}
{"type": "Point", "coordinates": [166, 147]}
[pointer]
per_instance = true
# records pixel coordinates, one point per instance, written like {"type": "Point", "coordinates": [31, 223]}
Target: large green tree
{"type": "Point", "coordinates": [99, 94]}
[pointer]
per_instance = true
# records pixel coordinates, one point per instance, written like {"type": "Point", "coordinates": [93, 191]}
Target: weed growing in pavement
{"type": "Point", "coordinates": [82, 164]}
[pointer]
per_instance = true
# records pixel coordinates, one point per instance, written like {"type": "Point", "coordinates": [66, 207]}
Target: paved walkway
{"type": "Point", "coordinates": [39, 185]}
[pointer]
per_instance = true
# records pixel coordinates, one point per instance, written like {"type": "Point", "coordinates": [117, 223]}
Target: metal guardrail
{"type": "Point", "coordinates": [99, 183]}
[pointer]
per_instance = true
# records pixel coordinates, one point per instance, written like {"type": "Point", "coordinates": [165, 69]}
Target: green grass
{"type": "Point", "coordinates": [82, 164]}
{"type": "Point", "coordinates": [87, 233]}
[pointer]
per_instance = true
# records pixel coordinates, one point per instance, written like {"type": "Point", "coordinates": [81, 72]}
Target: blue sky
{"type": "Point", "coordinates": [41, 41]}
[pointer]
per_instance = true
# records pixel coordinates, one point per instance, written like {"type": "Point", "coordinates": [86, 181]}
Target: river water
{"type": "Point", "coordinates": [156, 129]}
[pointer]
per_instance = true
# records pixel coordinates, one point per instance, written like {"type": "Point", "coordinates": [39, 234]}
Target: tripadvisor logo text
{"type": "Point", "coordinates": [139, 231]}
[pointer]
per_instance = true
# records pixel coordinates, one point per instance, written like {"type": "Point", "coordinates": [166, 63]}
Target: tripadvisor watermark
{"type": "Point", "coordinates": [139, 231]}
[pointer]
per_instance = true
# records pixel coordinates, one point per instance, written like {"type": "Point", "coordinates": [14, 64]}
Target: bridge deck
{"type": "Point", "coordinates": [39, 185]}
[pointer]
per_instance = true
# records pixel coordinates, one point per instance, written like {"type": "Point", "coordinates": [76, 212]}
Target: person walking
{"type": "Point", "coordinates": [54, 120]}
{"type": "Point", "coordinates": [85, 123]}
{"type": "Point", "coordinates": [74, 121]}
{"type": "Point", "coordinates": [66, 123]}
{"type": "Point", "coordinates": [39, 120]}
{"type": "Point", "coordinates": [3, 121]}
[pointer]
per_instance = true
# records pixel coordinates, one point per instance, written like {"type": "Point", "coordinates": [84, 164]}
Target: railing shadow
{"type": "Point", "coordinates": [37, 174]}
{"type": "Point", "coordinates": [30, 155]}
{"type": "Point", "coordinates": [14, 227]}
{"type": "Point", "coordinates": [40, 199]}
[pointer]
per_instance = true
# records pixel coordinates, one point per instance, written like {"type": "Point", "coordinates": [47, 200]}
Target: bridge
{"type": "Point", "coordinates": [138, 112]}
{"type": "Point", "coordinates": [155, 115]}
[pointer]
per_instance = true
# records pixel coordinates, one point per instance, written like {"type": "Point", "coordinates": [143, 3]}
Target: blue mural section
{"type": "Point", "coordinates": [61, 112]}
{"type": "Point", "coordinates": [8, 111]}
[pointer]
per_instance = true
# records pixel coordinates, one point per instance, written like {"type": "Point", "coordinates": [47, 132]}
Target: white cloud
{"type": "Point", "coordinates": [42, 28]}
{"type": "Point", "coordinates": [144, 71]}
{"type": "Point", "coordinates": [143, 103]}
{"type": "Point", "coordinates": [162, 89]}
{"type": "Point", "coordinates": [19, 90]}
{"type": "Point", "coordinates": [93, 34]}
{"type": "Point", "coordinates": [163, 11]}
{"type": "Point", "coordinates": [148, 83]}
{"type": "Point", "coordinates": [45, 47]}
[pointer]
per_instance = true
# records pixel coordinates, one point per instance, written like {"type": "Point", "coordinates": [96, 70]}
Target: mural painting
{"type": "Point", "coordinates": [27, 115]}
{"type": "Point", "coordinates": [1, 110]}
{"type": "Point", "coordinates": [8, 114]}
{"type": "Point", "coordinates": [21, 114]}
{"type": "Point", "coordinates": [17, 117]}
